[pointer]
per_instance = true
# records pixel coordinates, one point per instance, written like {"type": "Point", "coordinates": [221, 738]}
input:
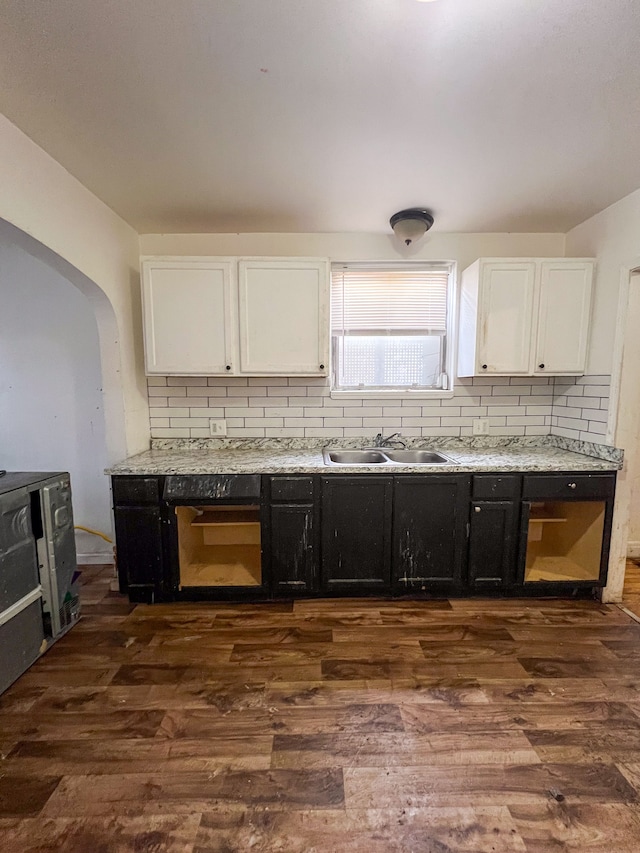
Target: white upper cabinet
{"type": "Point", "coordinates": [236, 316]}
{"type": "Point", "coordinates": [507, 305]}
{"type": "Point", "coordinates": [283, 310]}
{"type": "Point", "coordinates": [523, 317]}
{"type": "Point", "coordinates": [563, 324]}
{"type": "Point", "coordinates": [188, 316]}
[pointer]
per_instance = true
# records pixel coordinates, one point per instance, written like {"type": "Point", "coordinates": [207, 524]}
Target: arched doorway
{"type": "Point", "coordinates": [60, 401]}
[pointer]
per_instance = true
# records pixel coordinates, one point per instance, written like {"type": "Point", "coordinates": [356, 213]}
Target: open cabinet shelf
{"type": "Point", "coordinates": [219, 547]}
{"type": "Point", "coordinates": [564, 542]}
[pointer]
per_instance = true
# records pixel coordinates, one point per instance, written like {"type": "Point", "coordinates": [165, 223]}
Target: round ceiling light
{"type": "Point", "coordinates": [411, 224]}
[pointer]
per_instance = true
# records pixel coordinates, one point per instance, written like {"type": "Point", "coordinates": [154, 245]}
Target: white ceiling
{"type": "Point", "coordinates": [330, 115]}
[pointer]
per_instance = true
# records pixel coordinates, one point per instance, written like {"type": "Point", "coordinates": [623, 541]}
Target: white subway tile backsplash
{"type": "Point", "coordinates": [283, 411]}
{"type": "Point", "coordinates": [264, 422]}
{"type": "Point", "coordinates": [244, 412]}
{"type": "Point", "coordinates": [189, 422]}
{"type": "Point", "coordinates": [304, 422]}
{"type": "Point", "coordinates": [593, 380]}
{"type": "Point", "coordinates": [496, 400]}
{"type": "Point", "coordinates": [536, 430]}
{"type": "Point", "coordinates": [297, 407]}
{"type": "Point", "coordinates": [207, 412]}
{"type": "Point", "coordinates": [382, 424]}
{"type": "Point", "coordinates": [505, 410]}
{"type": "Point", "coordinates": [243, 391]}
{"type": "Point", "coordinates": [525, 420]}
{"type": "Point", "coordinates": [186, 381]}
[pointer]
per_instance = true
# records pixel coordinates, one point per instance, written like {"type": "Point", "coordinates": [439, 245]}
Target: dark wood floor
{"type": "Point", "coordinates": [471, 726]}
{"type": "Point", "coordinates": [631, 592]}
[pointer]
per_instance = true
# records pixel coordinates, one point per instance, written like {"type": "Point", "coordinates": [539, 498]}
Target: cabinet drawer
{"type": "Point", "coordinates": [212, 487]}
{"type": "Point", "coordinates": [136, 490]}
{"type": "Point", "coordinates": [498, 488]}
{"type": "Point", "coordinates": [568, 486]}
{"type": "Point", "coordinates": [291, 489]}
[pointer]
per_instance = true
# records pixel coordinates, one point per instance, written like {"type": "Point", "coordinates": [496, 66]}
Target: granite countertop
{"type": "Point", "coordinates": [284, 457]}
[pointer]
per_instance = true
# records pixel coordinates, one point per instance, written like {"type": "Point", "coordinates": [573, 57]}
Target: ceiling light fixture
{"type": "Point", "coordinates": [411, 224]}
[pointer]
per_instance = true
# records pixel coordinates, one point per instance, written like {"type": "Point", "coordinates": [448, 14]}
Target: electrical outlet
{"type": "Point", "coordinates": [217, 427]}
{"type": "Point", "coordinates": [480, 426]}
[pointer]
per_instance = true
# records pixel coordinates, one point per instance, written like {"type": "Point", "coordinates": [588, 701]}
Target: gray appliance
{"type": "Point", "coordinates": [38, 598]}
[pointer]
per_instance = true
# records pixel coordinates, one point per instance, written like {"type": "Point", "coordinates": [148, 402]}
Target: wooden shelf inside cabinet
{"type": "Point", "coordinates": [545, 519]}
{"type": "Point", "coordinates": [223, 565]}
{"type": "Point", "coordinates": [559, 568]}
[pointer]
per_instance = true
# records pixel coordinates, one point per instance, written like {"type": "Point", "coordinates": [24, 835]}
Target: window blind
{"type": "Point", "coordinates": [389, 325]}
{"type": "Point", "coordinates": [394, 301]}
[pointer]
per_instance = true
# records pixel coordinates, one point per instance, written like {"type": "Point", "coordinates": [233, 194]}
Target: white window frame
{"type": "Point", "coordinates": [449, 357]}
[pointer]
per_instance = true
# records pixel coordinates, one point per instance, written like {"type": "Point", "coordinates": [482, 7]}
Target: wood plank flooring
{"type": "Point", "coordinates": [440, 727]}
{"type": "Point", "coordinates": [631, 591]}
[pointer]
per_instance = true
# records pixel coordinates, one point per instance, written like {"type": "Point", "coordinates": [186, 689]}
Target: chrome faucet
{"type": "Point", "coordinates": [393, 440]}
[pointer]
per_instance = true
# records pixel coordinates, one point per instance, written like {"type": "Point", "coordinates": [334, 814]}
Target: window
{"type": "Point", "coordinates": [389, 326]}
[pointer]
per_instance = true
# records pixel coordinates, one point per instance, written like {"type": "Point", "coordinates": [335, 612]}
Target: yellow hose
{"type": "Point", "coordinates": [94, 532]}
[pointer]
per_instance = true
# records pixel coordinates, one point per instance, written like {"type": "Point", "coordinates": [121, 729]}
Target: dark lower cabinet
{"type": "Point", "coordinates": [291, 534]}
{"type": "Point", "coordinates": [430, 532]}
{"type": "Point", "coordinates": [493, 531]}
{"type": "Point", "coordinates": [392, 533]}
{"type": "Point", "coordinates": [139, 550]}
{"type": "Point", "coordinates": [492, 544]}
{"type": "Point", "coordinates": [356, 534]}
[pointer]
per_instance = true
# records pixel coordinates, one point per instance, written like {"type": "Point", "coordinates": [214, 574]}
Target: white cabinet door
{"type": "Point", "coordinates": [563, 325]}
{"type": "Point", "coordinates": [283, 316]}
{"type": "Point", "coordinates": [506, 311]}
{"type": "Point", "coordinates": [188, 316]}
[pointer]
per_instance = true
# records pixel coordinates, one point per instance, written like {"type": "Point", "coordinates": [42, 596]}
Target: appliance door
{"type": "Point", "coordinates": [18, 561]}
{"type": "Point", "coordinates": [21, 627]}
{"type": "Point", "coordinates": [57, 517]}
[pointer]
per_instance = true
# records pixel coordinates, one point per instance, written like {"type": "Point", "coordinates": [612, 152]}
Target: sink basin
{"type": "Point", "coordinates": [354, 457]}
{"type": "Point", "coordinates": [416, 457]}
{"type": "Point", "coordinates": [382, 457]}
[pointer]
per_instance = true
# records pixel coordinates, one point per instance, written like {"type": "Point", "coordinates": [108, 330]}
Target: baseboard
{"type": "Point", "coordinates": [95, 558]}
{"type": "Point", "coordinates": [633, 550]}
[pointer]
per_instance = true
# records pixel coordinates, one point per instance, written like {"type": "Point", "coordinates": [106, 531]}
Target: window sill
{"type": "Point", "coordinates": [390, 395]}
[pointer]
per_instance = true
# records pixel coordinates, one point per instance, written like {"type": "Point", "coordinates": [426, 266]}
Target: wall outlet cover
{"type": "Point", "coordinates": [480, 426]}
{"type": "Point", "coordinates": [217, 427]}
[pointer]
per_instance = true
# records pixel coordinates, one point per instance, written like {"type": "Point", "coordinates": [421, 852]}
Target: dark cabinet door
{"type": "Point", "coordinates": [430, 532]}
{"type": "Point", "coordinates": [292, 549]}
{"type": "Point", "coordinates": [356, 526]}
{"type": "Point", "coordinates": [492, 544]}
{"type": "Point", "coordinates": [139, 550]}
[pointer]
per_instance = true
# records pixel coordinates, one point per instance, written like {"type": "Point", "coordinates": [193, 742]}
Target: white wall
{"type": "Point", "coordinates": [463, 248]}
{"type": "Point", "coordinates": [51, 411]}
{"type": "Point", "coordinates": [613, 236]}
{"type": "Point", "coordinates": [42, 200]}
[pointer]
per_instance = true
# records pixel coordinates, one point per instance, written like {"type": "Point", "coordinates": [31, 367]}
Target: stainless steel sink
{"type": "Point", "coordinates": [382, 457]}
{"type": "Point", "coordinates": [416, 457]}
{"type": "Point", "coordinates": [354, 457]}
